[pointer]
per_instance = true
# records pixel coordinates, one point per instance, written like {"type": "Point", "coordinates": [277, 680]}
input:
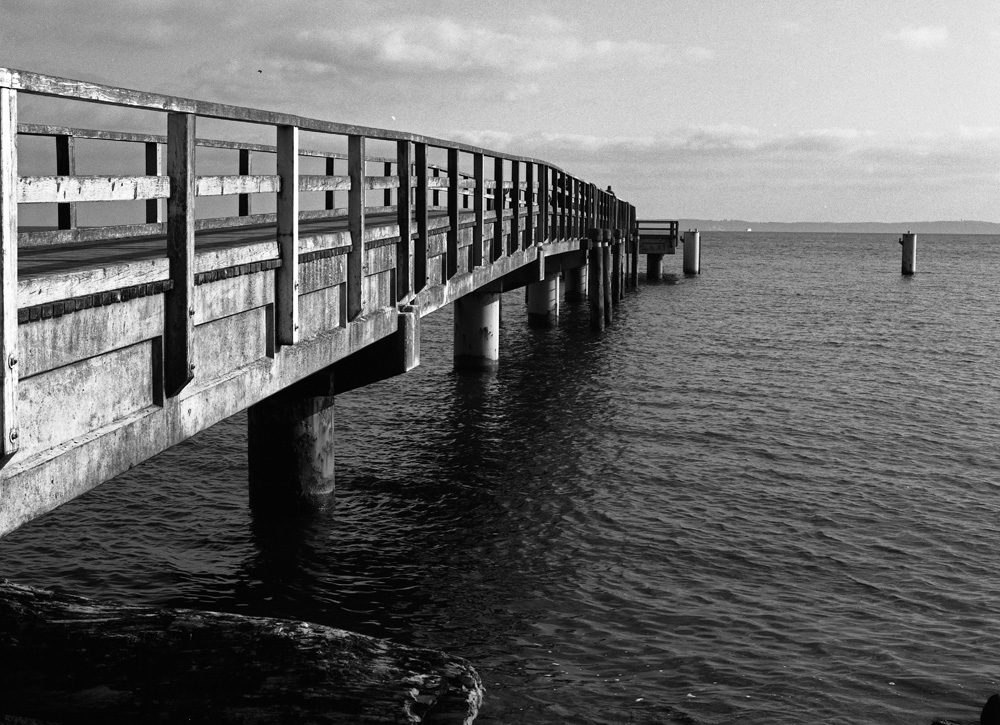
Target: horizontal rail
{"type": "Point", "coordinates": [46, 85]}
{"type": "Point", "coordinates": [42, 189]}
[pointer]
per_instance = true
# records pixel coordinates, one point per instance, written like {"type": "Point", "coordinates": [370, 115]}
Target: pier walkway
{"type": "Point", "coordinates": [121, 338]}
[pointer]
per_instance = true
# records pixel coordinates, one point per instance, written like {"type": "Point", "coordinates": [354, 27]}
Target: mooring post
{"type": "Point", "coordinates": [543, 302]}
{"type": "Point", "coordinates": [692, 252]}
{"type": "Point", "coordinates": [290, 449]}
{"type": "Point", "coordinates": [477, 331]}
{"type": "Point", "coordinates": [909, 242]}
{"type": "Point", "coordinates": [595, 285]}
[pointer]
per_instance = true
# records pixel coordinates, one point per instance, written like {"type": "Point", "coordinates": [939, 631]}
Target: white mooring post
{"type": "Point", "coordinates": [909, 242]}
{"type": "Point", "coordinates": [692, 252]}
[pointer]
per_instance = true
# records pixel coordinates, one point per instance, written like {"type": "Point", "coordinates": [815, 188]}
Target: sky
{"type": "Point", "coordinates": [799, 110]}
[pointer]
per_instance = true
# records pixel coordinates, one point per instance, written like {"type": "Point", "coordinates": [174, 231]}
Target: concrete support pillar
{"type": "Point", "coordinates": [692, 252]}
{"type": "Point", "coordinates": [576, 284]}
{"type": "Point", "coordinates": [595, 286]}
{"type": "Point", "coordinates": [654, 267]}
{"type": "Point", "coordinates": [609, 307]}
{"type": "Point", "coordinates": [543, 302]}
{"type": "Point", "coordinates": [477, 331]}
{"type": "Point", "coordinates": [909, 242]}
{"type": "Point", "coordinates": [290, 450]}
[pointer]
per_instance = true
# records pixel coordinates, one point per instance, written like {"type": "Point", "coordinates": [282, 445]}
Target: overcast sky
{"type": "Point", "coordinates": [773, 111]}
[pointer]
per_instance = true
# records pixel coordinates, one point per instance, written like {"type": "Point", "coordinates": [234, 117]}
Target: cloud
{"type": "Point", "coordinates": [920, 38]}
{"type": "Point", "coordinates": [698, 54]}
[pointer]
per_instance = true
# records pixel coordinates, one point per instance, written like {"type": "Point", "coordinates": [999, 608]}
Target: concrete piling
{"type": "Point", "coordinates": [692, 252]}
{"type": "Point", "coordinates": [909, 243]}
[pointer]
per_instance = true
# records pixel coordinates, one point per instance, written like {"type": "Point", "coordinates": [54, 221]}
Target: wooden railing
{"type": "Point", "coordinates": [538, 200]}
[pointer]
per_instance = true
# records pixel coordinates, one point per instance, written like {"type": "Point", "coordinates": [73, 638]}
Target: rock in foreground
{"type": "Point", "coordinates": [73, 660]}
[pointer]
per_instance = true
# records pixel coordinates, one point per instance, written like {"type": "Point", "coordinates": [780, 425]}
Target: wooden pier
{"type": "Point", "coordinates": [119, 340]}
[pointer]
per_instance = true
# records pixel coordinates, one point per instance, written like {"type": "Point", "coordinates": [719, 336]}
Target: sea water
{"type": "Point", "coordinates": [766, 494]}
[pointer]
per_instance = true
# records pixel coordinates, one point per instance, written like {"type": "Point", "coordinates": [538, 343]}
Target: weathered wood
{"type": "Point", "coordinates": [9, 434]}
{"type": "Point", "coordinates": [356, 262]}
{"type": "Point", "coordinates": [76, 660]}
{"type": "Point", "coordinates": [451, 259]}
{"type": "Point", "coordinates": [329, 198]}
{"type": "Point", "coordinates": [387, 173]}
{"type": "Point", "coordinates": [154, 167]}
{"type": "Point", "coordinates": [242, 184]}
{"type": "Point", "coordinates": [530, 206]}
{"type": "Point", "coordinates": [498, 207]}
{"type": "Point", "coordinates": [479, 208]}
{"type": "Point", "coordinates": [287, 292]}
{"type": "Point", "coordinates": [420, 247]}
{"type": "Point", "coordinates": [66, 166]}
{"type": "Point", "coordinates": [404, 211]}
{"type": "Point", "coordinates": [178, 369]}
{"type": "Point", "coordinates": [47, 189]}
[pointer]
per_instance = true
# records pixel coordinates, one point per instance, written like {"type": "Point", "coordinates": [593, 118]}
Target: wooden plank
{"type": "Point", "coordinates": [514, 243]}
{"type": "Point", "coordinates": [498, 207]}
{"type": "Point", "coordinates": [9, 433]}
{"type": "Point", "coordinates": [451, 256]}
{"type": "Point", "coordinates": [48, 189]}
{"type": "Point", "coordinates": [178, 367]}
{"type": "Point", "coordinates": [246, 169]}
{"type": "Point", "coordinates": [154, 167]}
{"type": "Point", "coordinates": [479, 204]}
{"type": "Point", "coordinates": [66, 166]}
{"type": "Point", "coordinates": [356, 262]}
{"type": "Point", "coordinates": [230, 185]}
{"type": "Point", "coordinates": [404, 209]}
{"type": "Point", "coordinates": [529, 203]}
{"type": "Point", "coordinates": [287, 291]}
{"type": "Point", "coordinates": [422, 240]}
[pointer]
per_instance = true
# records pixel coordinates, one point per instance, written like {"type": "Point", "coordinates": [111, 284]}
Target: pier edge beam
{"type": "Point", "coordinates": [595, 282]}
{"type": "Point", "coordinates": [477, 331]}
{"type": "Point", "coordinates": [290, 449]}
{"type": "Point", "coordinates": [543, 301]}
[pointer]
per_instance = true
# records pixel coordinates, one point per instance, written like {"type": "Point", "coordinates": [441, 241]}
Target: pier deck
{"type": "Point", "coordinates": [119, 341]}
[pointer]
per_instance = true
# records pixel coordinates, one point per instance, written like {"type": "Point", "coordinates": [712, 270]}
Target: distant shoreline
{"type": "Point", "coordinates": [940, 227]}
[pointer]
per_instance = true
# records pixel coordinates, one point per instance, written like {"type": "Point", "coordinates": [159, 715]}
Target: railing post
{"type": "Point", "coordinates": [178, 368]}
{"type": "Point", "coordinates": [436, 196]}
{"type": "Point", "coordinates": [246, 168]}
{"type": "Point", "coordinates": [154, 167]}
{"type": "Point", "coordinates": [356, 263]}
{"type": "Point", "coordinates": [66, 166]}
{"type": "Point", "coordinates": [529, 203]}
{"type": "Point", "coordinates": [498, 207]}
{"type": "Point", "coordinates": [514, 243]}
{"type": "Point", "coordinates": [451, 261]}
{"type": "Point", "coordinates": [404, 208]}
{"type": "Point", "coordinates": [543, 203]}
{"type": "Point", "coordinates": [479, 203]}
{"type": "Point", "coordinates": [331, 170]}
{"type": "Point", "coordinates": [287, 293]}
{"type": "Point", "coordinates": [387, 195]}
{"type": "Point", "coordinates": [8, 259]}
{"type": "Point", "coordinates": [420, 244]}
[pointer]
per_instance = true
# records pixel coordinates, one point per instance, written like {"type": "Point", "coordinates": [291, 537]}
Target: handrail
{"type": "Point", "coordinates": [532, 203]}
{"type": "Point", "coordinates": [45, 85]}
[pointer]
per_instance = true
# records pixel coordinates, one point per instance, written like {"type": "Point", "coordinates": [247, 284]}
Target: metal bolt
{"type": "Point", "coordinates": [13, 434]}
{"type": "Point", "coordinates": [191, 311]}
{"type": "Point", "coordinates": [12, 360]}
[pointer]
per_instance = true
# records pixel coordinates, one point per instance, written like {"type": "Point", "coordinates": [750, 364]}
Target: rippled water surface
{"type": "Point", "coordinates": [768, 494]}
